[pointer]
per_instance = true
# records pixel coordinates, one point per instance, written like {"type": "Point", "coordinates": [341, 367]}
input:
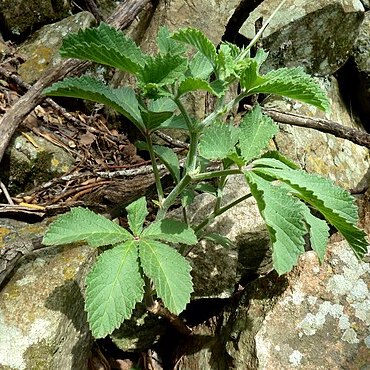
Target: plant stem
{"type": "Point", "coordinates": [218, 212]}
{"type": "Point", "coordinates": [191, 160]}
{"type": "Point", "coordinates": [218, 173]}
{"type": "Point", "coordinates": [157, 177]}
{"type": "Point", "coordinates": [171, 197]}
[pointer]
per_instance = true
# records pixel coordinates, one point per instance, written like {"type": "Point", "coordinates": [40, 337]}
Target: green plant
{"type": "Point", "coordinates": [140, 264]}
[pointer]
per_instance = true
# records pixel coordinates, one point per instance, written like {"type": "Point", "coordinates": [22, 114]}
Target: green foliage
{"type": "Point", "coordinates": [142, 263]}
{"type": "Point", "coordinates": [104, 45]}
{"type": "Point", "coordinates": [115, 284]}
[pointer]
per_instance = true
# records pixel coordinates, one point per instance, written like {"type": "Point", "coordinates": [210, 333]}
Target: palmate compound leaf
{"type": "Point", "coordinates": [169, 271]}
{"type": "Point", "coordinates": [172, 231]}
{"type": "Point", "coordinates": [81, 224]}
{"type": "Point", "coordinates": [136, 214]}
{"type": "Point", "coordinates": [123, 99]}
{"type": "Point", "coordinates": [284, 220]}
{"type": "Point", "coordinates": [199, 41]}
{"type": "Point", "coordinates": [218, 141]}
{"type": "Point", "coordinates": [256, 130]}
{"type": "Point", "coordinates": [114, 286]}
{"type": "Point", "coordinates": [333, 202]}
{"type": "Point", "coordinates": [104, 45]}
{"type": "Point", "coordinates": [293, 83]}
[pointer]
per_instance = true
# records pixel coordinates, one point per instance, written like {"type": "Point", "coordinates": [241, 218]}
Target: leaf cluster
{"type": "Point", "coordinates": [116, 282]}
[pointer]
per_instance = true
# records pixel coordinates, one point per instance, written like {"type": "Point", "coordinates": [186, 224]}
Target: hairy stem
{"type": "Point", "coordinates": [171, 198]}
{"type": "Point", "coordinates": [157, 176]}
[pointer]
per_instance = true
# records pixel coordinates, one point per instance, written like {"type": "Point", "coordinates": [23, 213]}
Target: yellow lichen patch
{"type": "Point", "coordinates": [69, 273]}
{"type": "Point", "coordinates": [3, 232]}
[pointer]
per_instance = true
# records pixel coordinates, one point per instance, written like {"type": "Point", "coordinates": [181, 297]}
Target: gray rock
{"type": "Point", "coordinates": [318, 35]}
{"type": "Point", "coordinates": [20, 16]}
{"type": "Point", "coordinates": [42, 320]}
{"type": "Point", "coordinates": [325, 314]}
{"type": "Point", "coordinates": [29, 163]}
{"type": "Point", "coordinates": [358, 73]}
{"type": "Point", "coordinates": [41, 50]}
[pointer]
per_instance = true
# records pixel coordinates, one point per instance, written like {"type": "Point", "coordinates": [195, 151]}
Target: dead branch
{"type": "Point", "coordinates": [121, 19]}
{"type": "Point", "coordinates": [320, 124]}
{"type": "Point", "coordinates": [11, 254]}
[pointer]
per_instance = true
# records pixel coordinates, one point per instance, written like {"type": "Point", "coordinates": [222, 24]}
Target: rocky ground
{"type": "Point", "coordinates": [65, 153]}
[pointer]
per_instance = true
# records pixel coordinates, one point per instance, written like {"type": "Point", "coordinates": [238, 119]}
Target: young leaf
{"type": "Point", "coordinates": [199, 41]}
{"type": "Point", "coordinates": [166, 45]}
{"type": "Point", "coordinates": [123, 100]}
{"type": "Point", "coordinates": [136, 214]}
{"type": "Point", "coordinates": [114, 286]}
{"type": "Point", "coordinates": [169, 158]}
{"type": "Point", "coordinates": [82, 224]}
{"type": "Point", "coordinates": [200, 66]}
{"type": "Point", "coordinates": [216, 88]}
{"type": "Point", "coordinates": [176, 122]}
{"type": "Point", "coordinates": [293, 83]}
{"type": "Point", "coordinates": [336, 204]}
{"type": "Point", "coordinates": [163, 69]}
{"type": "Point", "coordinates": [169, 271]}
{"type": "Point", "coordinates": [104, 45]}
{"type": "Point", "coordinates": [162, 104]}
{"type": "Point", "coordinates": [153, 120]}
{"type": "Point", "coordinates": [172, 231]}
{"type": "Point", "coordinates": [218, 141]}
{"type": "Point", "coordinates": [318, 231]}
{"type": "Point", "coordinates": [256, 130]}
{"type": "Point", "coordinates": [284, 221]}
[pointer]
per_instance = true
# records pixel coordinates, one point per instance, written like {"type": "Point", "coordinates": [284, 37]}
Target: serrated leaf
{"type": "Point", "coordinates": [163, 69]}
{"type": "Point", "coordinates": [166, 45]}
{"type": "Point", "coordinates": [136, 214]}
{"type": "Point", "coordinates": [123, 100]}
{"type": "Point", "coordinates": [284, 221]}
{"type": "Point", "coordinates": [81, 224]}
{"type": "Point", "coordinates": [225, 65]}
{"type": "Point", "coordinates": [216, 88]}
{"type": "Point", "coordinates": [333, 202]}
{"type": "Point", "coordinates": [293, 83]}
{"type": "Point", "coordinates": [256, 130]}
{"type": "Point", "coordinates": [169, 158]}
{"type": "Point", "coordinates": [198, 40]}
{"type": "Point", "coordinates": [162, 104]}
{"type": "Point", "coordinates": [104, 45]}
{"type": "Point", "coordinates": [153, 120]}
{"type": "Point", "coordinates": [318, 231]}
{"type": "Point", "coordinates": [281, 158]}
{"type": "Point", "coordinates": [176, 122]}
{"type": "Point", "coordinates": [169, 271]}
{"type": "Point", "coordinates": [172, 231]}
{"type": "Point", "coordinates": [200, 66]}
{"type": "Point", "coordinates": [114, 286]}
{"type": "Point", "coordinates": [218, 141]}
